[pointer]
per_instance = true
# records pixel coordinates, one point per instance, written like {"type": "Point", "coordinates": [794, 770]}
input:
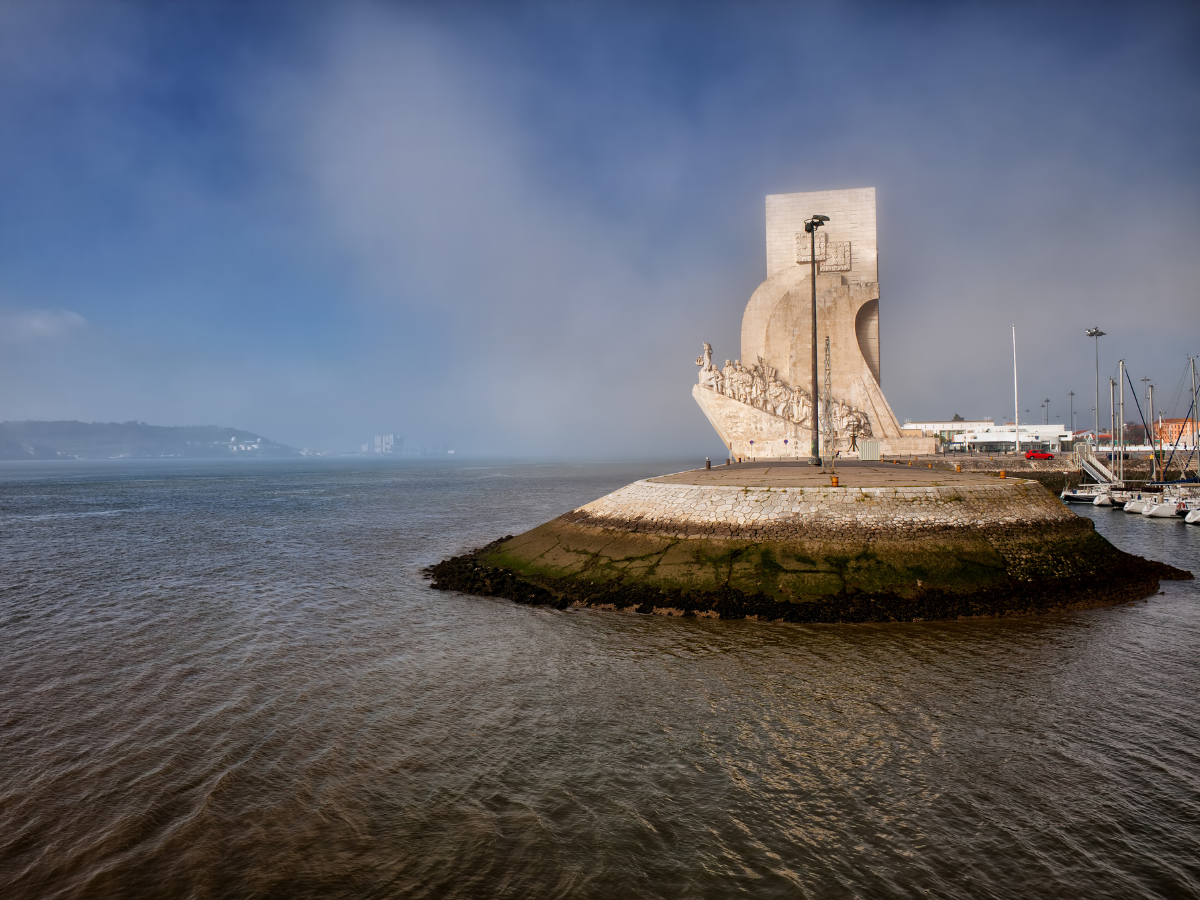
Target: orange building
{"type": "Point", "coordinates": [1168, 430]}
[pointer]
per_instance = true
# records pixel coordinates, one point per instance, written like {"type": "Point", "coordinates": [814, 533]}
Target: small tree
{"type": "Point", "coordinates": [1135, 434]}
{"type": "Point", "coordinates": [958, 418]}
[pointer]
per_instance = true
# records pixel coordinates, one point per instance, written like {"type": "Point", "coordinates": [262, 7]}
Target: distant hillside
{"type": "Point", "coordinates": [131, 440]}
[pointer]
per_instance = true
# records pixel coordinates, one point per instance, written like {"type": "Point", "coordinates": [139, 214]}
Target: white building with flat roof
{"type": "Point", "coordinates": [1003, 438]}
{"type": "Point", "coordinates": [936, 427]}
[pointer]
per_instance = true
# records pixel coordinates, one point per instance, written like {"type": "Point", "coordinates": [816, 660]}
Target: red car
{"type": "Point", "coordinates": [1038, 454]}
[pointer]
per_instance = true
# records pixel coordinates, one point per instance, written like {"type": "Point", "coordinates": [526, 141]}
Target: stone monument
{"type": "Point", "coordinates": [780, 540]}
{"type": "Point", "coordinates": [761, 403]}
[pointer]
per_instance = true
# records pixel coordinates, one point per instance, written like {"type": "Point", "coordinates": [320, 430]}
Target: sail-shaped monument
{"type": "Point", "coordinates": [760, 399]}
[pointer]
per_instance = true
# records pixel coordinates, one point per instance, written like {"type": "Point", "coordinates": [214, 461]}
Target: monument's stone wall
{"type": "Point", "coordinates": [851, 218]}
{"type": "Point", "coordinates": [762, 513]}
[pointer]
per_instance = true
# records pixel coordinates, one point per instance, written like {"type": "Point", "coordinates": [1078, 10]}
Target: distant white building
{"type": "Point", "coordinates": [253, 444]}
{"type": "Point", "coordinates": [945, 429]}
{"type": "Point", "coordinates": [1003, 438]}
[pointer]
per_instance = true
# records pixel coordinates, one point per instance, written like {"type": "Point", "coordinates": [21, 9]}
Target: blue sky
{"type": "Point", "coordinates": [508, 227]}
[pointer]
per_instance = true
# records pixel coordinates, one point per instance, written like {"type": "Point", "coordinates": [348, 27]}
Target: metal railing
{"type": "Point", "coordinates": [1086, 460]}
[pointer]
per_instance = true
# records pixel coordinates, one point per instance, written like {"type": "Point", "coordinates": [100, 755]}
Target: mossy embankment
{"type": "Point", "coordinates": [836, 577]}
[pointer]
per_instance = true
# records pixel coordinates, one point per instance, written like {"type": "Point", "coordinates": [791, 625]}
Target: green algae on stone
{"type": "Point", "coordinates": [992, 552]}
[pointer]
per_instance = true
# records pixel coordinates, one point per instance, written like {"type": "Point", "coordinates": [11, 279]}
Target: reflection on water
{"type": "Point", "coordinates": [230, 680]}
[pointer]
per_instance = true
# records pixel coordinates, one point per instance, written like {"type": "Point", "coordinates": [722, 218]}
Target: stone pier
{"type": "Point", "coordinates": [779, 541]}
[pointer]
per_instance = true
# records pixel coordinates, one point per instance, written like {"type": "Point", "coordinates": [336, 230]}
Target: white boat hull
{"type": "Point", "coordinates": [1193, 518]}
{"type": "Point", "coordinates": [1086, 494]}
{"type": "Point", "coordinates": [1160, 510]}
{"type": "Point", "coordinates": [1134, 506]}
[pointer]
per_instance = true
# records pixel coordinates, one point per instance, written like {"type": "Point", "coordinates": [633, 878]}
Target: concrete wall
{"type": "Point", "coordinates": [697, 511]}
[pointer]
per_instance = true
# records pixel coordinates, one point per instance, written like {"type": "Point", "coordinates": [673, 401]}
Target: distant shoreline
{"type": "Point", "coordinates": [71, 440]}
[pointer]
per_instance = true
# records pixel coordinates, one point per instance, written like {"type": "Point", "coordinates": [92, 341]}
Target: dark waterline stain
{"type": "Point", "coordinates": [230, 680]}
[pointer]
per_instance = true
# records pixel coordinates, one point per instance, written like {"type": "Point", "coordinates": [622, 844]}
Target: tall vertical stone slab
{"type": "Point", "coordinates": [760, 403]}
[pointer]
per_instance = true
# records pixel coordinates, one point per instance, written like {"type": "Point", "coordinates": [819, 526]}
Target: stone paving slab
{"type": "Point", "coordinates": [851, 474]}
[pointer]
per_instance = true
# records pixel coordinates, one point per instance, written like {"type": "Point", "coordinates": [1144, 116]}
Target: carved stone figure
{"type": "Point", "coordinates": [841, 416]}
{"type": "Point", "coordinates": [760, 387]}
{"type": "Point", "coordinates": [861, 422]}
{"type": "Point", "coordinates": [710, 375]}
{"type": "Point", "coordinates": [778, 396]}
{"type": "Point", "coordinates": [801, 407]}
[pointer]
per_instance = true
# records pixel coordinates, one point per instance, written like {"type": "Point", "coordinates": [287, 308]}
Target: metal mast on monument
{"type": "Point", "coordinates": [810, 226]}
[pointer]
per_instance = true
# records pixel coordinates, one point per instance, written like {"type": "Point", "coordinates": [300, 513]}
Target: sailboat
{"type": "Point", "coordinates": [1138, 501]}
{"type": "Point", "coordinates": [1165, 508]}
{"type": "Point", "coordinates": [1087, 493]}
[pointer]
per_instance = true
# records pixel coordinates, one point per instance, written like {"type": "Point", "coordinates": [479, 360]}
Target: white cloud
{"type": "Point", "coordinates": [38, 324]}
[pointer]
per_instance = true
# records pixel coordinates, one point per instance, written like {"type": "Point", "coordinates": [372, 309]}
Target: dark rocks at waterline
{"type": "Point", "coordinates": [1131, 578]}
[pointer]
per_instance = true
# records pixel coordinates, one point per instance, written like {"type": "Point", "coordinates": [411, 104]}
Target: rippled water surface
{"type": "Point", "coordinates": [230, 680]}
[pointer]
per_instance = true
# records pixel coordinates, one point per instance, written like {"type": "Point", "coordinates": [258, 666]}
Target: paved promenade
{"type": "Point", "coordinates": [851, 474]}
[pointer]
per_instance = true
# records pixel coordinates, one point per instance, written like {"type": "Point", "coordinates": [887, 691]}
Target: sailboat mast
{"type": "Point", "coordinates": [1153, 443]}
{"type": "Point", "coordinates": [1195, 416]}
{"type": "Point", "coordinates": [1121, 424]}
{"type": "Point", "coordinates": [1112, 416]}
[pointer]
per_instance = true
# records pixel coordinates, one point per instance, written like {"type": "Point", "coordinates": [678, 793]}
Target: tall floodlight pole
{"type": "Point", "coordinates": [810, 226]}
{"type": "Point", "coordinates": [1072, 396]}
{"type": "Point", "coordinates": [1016, 399]}
{"type": "Point", "coordinates": [1047, 401]}
{"type": "Point", "coordinates": [1097, 334]}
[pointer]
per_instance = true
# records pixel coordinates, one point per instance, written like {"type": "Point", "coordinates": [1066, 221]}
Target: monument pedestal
{"type": "Point", "coordinates": [779, 542]}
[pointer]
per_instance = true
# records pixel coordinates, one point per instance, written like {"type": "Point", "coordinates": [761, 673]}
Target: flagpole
{"type": "Point", "coordinates": [1016, 402]}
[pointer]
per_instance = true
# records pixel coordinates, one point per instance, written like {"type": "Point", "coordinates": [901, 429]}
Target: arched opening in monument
{"type": "Point", "coordinates": [866, 328]}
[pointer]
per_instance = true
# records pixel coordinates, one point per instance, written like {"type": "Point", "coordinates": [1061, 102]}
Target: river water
{"type": "Point", "coordinates": [230, 680]}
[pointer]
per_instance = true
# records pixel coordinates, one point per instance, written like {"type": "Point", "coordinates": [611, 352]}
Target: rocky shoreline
{"type": "Point", "coordinates": [1129, 578]}
{"type": "Point", "coordinates": [783, 543]}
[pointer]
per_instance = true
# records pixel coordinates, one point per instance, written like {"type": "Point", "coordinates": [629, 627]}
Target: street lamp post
{"type": "Point", "coordinates": [1047, 401]}
{"type": "Point", "coordinates": [810, 227]}
{"type": "Point", "coordinates": [1097, 334]}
